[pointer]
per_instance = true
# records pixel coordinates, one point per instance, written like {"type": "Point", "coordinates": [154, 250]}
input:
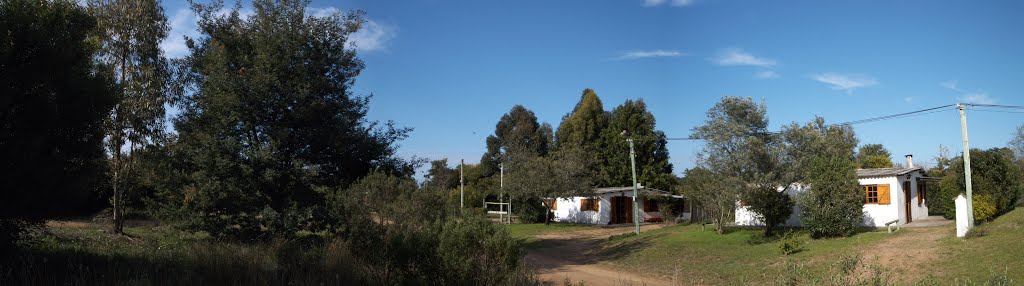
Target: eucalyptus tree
{"type": "Point", "coordinates": [53, 100]}
{"type": "Point", "coordinates": [563, 174]}
{"type": "Point", "coordinates": [633, 120]}
{"type": "Point", "coordinates": [822, 159]}
{"type": "Point", "coordinates": [517, 134]}
{"type": "Point", "coordinates": [130, 36]}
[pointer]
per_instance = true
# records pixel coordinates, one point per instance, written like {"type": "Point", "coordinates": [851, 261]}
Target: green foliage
{"type": "Point", "coordinates": [833, 204]}
{"type": "Point", "coordinates": [130, 36]}
{"type": "Point", "coordinates": [984, 207]}
{"type": "Point", "coordinates": [53, 99]}
{"type": "Point", "coordinates": [516, 135]}
{"type": "Point", "coordinates": [790, 243]}
{"type": "Point", "coordinates": [652, 166]}
{"type": "Point", "coordinates": [992, 173]}
{"type": "Point", "coordinates": [271, 126]}
{"type": "Point", "coordinates": [440, 176]}
{"type": "Point", "coordinates": [873, 156]}
{"type": "Point", "coordinates": [711, 194]}
{"type": "Point", "coordinates": [565, 173]}
{"type": "Point", "coordinates": [739, 147]}
{"type": "Point", "coordinates": [585, 125]}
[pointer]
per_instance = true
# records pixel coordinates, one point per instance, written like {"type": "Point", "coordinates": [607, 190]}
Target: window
{"type": "Point", "coordinates": [650, 205]}
{"type": "Point", "coordinates": [871, 192]}
{"type": "Point", "coordinates": [876, 194]}
{"type": "Point", "coordinates": [588, 205]}
{"type": "Point", "coordinates": [553, 203]}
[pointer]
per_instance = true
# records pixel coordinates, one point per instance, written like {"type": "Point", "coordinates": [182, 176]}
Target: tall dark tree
{"type": "Point", "coordinates": [53, 99]}
{"type": "Point", "coordinates": [440, 176]}
{"type": "Point", "coordinates": [517, 135]}
{"type": "Point", "coordinates": [563, 174]}
{"type": "Point", "coordinates": [633, 120]}
{"type": "Point", "coordinates": [585, 125]}
{"type": "Point", "coordinates": [130, 45]}
{"type": "Point", "coordinates": [270, 124]}
{"type": "Point", "coordinates": [873, 156]}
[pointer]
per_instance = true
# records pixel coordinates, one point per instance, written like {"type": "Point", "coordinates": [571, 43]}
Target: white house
{"type": "Point", "coordinates": [607, 206]}
{"type": "Point", "coordinates": [890, 194]}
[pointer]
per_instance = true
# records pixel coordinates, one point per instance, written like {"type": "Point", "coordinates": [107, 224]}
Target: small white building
{"type": "Point", "coordinates": [607, 206]}
{"type": "Point", "coordinates": [890, 194]}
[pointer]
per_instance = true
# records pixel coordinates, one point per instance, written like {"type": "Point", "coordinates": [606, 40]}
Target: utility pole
{"type": "Point", "coordinates": [967, 166]}
{"type": "Point", "coordinates": [501, 193]}
{"type": "Point", "coordinates": [462, 185]}
{"type": "Point", "coordinates": [632, 163]}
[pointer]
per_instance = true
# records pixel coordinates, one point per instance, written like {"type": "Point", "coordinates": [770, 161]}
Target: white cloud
{"type": "Point", "coordinates": [372, 36]}
{"type": "Point", "coordinates": [976, 97]}
{"type": "Point", "coordinates": [738, 57]}
{"type": "Point", "coordinates": [322, 12]}
{"type": "Point", "coordinates": [632, 55]}
{"type": "Point", "coordinates": [979, 97]}
{"type": "Point", "coordinates": [675, 3]}
{"type": "Point", "coordinates": [845, 82]}
{"type": "Point", "coordinates": [766, 74]}
{"type": "Point", "coordinates": [182, 24]}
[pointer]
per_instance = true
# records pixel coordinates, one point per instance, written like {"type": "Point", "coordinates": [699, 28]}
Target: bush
{"type": "Point", "coordinates": [984, 208]}
{"type": "Point", "coordinates": [790, 243]}
{"type": "Point", "coordinates": [833, 206]}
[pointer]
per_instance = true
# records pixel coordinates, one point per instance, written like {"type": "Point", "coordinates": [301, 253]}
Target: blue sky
{"type": "Point", "coordinates": [450, 69]}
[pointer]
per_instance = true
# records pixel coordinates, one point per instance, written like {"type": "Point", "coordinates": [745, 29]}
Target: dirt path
{"type": "Point", "coordinates": [572, 255]}
{"type": "Point", "coordinates": [907, 253]}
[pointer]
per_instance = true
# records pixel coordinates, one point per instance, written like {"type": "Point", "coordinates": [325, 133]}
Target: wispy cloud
{"type": "Point", "coordinates": [845, 82]}
{"type": "Point", "coordinates": [675, 3]}
{"type": "Point", "coordinates": [908, 99]}
{"type": "Point", "coordinates": [978, 96]}
{"type": "Point", "coordinates": [766, 74]}
{"type": "Point", "coordinates": [322, 12]}
{"type": "Point", "coordinates": [738, 57]}
{"type": "Point", "coordinates": [372, 36]}
{"type": "Point", "coordinates": [633, 55]}
{"type": "Point", "coordinates": [182, 23]}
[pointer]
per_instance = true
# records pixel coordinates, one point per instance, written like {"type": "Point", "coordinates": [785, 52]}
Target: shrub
{"type": "Point", "coordinates": [984, 207]}
{"type": "Point", "coordinates": [790, 243]}
{"type": "Point", "coordinates": [833, 204]}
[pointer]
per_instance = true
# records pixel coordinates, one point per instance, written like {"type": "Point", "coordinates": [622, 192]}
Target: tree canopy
{"type": "Point", "coordinates": [271, 124]}
{"type": "Point", "coordinates": [51, 118]}
{"type": "Point", "coordinates": [517, 135]}
{"type": "Point", "coordinates": [651, 147]}
{"type": "Point", "coordinates": [873, 156]}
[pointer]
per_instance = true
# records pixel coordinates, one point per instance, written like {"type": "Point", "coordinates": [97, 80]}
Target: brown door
{"type": "Point", "coordinates": [906, 200]}
{"type": "Point", "coordinates": [622, 210]}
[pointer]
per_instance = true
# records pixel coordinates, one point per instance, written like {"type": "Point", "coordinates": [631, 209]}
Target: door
{"type": "Point", "coordinates": [906, 201]}
{"type": "Point", "coordinates": [622, 210]}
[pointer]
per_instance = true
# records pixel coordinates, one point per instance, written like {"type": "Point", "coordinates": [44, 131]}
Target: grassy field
{"type": "Point", "coordinates": [928, 256]}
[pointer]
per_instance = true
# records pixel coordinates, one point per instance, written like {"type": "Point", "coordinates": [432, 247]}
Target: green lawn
{"type": "Point", "coordinates": [980, 259]}
{"type": "Point", "coordinates": [529, 232]}
{"type": "Point", "coordinates": [692, 255]}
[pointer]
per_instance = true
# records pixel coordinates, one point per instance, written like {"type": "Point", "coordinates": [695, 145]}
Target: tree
{"type": "Point", "coordinates": [130, 45]}
{"type": "Point", "coordinates": [270, 125]}
{"type": "Point", "coordinates": [821, 160]}
{"type": "Point", "coordinates": [739, 147]}
{"type": "Point", "coordinates": [992, 174]}
{"type": "Point", "coordinates": [583, 127]}
{"type": "Point", "coordinates": [651, 147]}
{"type": "Point", "coordinates": [517, 134]}
{"type": "Point", "coordinates": [53, 99]}
{"type": "Point", "coordinates": [713, 194]}
{"type": "Point", "coordinates": [873, 156]}
{"type": "Point", "coordinates": [1017, 146]}
{"type": "Point", "coordinates": [564, 174]}
{"type": "Point", "coordinates": [440, 176]}
{"type": "Point", "coordinates": [942, 163]}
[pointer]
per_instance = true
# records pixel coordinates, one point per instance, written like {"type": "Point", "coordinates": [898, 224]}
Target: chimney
{"type": "Point", "coordinates": [910, 160]}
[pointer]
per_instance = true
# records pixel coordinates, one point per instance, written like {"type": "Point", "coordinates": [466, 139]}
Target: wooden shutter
{"type": "Point", "coordinates": [554, 204]}
{"type": "Point", "coordinates": [583, 204]}
{"type": "Point", "coordinates": [883, 194]}
{"type": "Point", "coordinates": [921, 190]}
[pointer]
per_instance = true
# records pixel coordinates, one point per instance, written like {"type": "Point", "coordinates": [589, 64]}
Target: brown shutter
{"type": "Point", "coordinates": [883, 194]}
{"type": "Point", "coordinates": [554, 204]}
{"type": "Point", "coordinates": [583, 204]}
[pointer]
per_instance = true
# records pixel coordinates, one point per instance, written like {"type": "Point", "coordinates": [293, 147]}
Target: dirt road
{"type": "Point", "coordinates": [572, 256]}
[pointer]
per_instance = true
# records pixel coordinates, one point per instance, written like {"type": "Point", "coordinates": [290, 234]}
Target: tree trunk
{"type": "Point", "coordinates": [547, 215]}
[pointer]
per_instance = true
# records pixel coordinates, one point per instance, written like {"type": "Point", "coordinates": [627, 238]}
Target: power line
{"type": "Point", "coordinates": [895, 116]}
{"type": "Point", "coordinates": [995, 105]}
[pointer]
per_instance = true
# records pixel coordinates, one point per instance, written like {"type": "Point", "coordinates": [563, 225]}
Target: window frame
{"type": "Point", "coordinates": [589, 205]}
{"type": "Point", "coordinates": [868, 192]}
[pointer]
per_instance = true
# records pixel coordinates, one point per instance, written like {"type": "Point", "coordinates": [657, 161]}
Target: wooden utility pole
{"type": "Point", "coordinates": [636, 207]}
{"type": "Point", "coordinates": [462, 185]}
{"type": "Point", "coordinates": [967, 166]}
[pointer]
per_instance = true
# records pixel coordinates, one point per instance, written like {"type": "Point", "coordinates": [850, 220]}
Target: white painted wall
{"type": "Point", "coordinates": [875, 215]}
{"type": "Point", "coordinates": [568, 210]}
